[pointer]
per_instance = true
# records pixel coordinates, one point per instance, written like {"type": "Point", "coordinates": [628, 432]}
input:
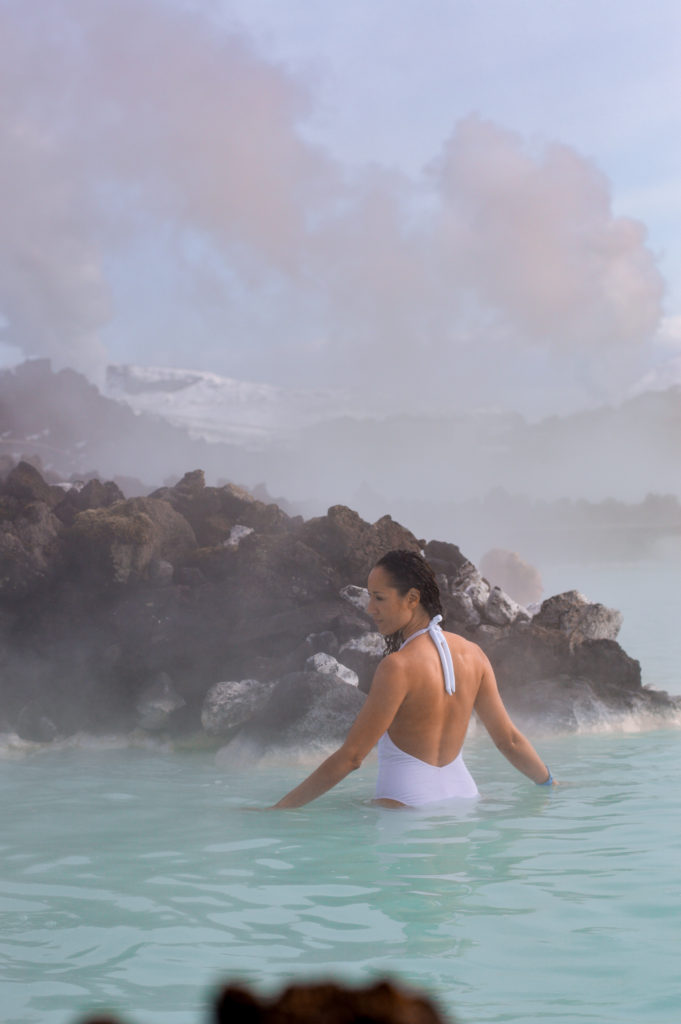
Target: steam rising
{"type": "Point", "coordinates": [126, 122]}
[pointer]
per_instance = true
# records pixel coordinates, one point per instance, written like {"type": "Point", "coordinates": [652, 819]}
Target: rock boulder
{"type": "Point", "coordinates": [30, 548]}
{"type": "Point", "coordinates": [578, 618]}
{"type": "Point", "coordinates": [502, 610]}
{"type": "Point", "coordinates": [352, 546]}
{"type": "Point", "coordinates": [306, 709]}
{"type": "Point", "coordinates": [446, 558]}
{"type": "Point", "coordinates": [215, 512]}
{"type": "Point", "coordinates": [230, 705]}
{"type": "Point", "coordinates": [94, 494]}
{"type": "Point", "coordinates": [120, 544]}
{"type": "Point", "coordinates": [115, 619]}
{"type": "Point", "coordinates": [539, 669]}
{"type": "Point", "coordinates": [362, 654]}
{"type": "Point", "coordinates": [327, 665]}
{"type": "Point", "coordinates": [25, 484]}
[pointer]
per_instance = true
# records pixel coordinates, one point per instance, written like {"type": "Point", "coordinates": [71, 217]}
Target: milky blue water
{"type": "Point", "coordinates": [134, 879]}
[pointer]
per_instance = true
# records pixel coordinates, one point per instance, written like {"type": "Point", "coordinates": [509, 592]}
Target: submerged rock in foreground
{"type": "Point", "coordinates": [120, 613]}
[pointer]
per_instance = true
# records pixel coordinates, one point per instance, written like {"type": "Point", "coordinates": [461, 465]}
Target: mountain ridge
{"type": "Point", "coordinates": [489, 478]}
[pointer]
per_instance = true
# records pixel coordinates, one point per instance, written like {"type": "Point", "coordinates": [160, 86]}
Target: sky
{"type": "Point", "coordinates": [423, 206]}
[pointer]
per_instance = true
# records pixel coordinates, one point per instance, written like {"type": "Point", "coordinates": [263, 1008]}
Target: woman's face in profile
{"type": "Point", "coordinates": [390, 610]}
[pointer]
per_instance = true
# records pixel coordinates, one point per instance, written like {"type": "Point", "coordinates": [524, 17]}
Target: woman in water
{"type": "Point", "coordinates": [420, 702]}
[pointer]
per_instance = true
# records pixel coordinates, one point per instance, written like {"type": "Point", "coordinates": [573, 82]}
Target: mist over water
{"type": "Point", "coordinates": [601, 485]}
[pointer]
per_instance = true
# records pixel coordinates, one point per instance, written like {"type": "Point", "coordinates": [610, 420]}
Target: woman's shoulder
{"type": "Point", "coordinates": [463, 646]}
{"type": "Point", "coordinates": [396, 661]}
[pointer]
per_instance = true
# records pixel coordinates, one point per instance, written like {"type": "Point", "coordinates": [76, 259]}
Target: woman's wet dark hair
{"type": "Point", "coordinates": [408, 569]}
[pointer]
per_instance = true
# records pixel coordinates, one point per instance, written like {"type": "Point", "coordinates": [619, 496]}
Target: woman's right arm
{"type": "Point", "coordinates": [388, 689]}
{"type": "Point", "coordinates": [515, 747]}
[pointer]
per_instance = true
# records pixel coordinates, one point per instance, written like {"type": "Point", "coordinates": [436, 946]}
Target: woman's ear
{"type": "Point", "coordinates": [413, 597]}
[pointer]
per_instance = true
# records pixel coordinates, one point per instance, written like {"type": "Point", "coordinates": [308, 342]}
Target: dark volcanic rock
{"type": "Point", "coordinates": [121, 618]}
{"type": "Point", "coordinates": [272, 636]}
{"type": "Point", "coordinates": [562, 703]}
{"type": "Point", "coordinates": [214, 512]}
{"type": "Point", "coordinates": [94, 494]}
{"type": "Point", "coordinates": [351, 546]}
{"type": "Point", "coordinates": [326, 642]}
{"type": "Point", "coordinates": [614, 673]}
{"type": "Point", "coordinates": [281, 568]}
{"type": "Point", "coordinates": [540, 669]}
{"type": "Point", "coordinates": [30, 549]}
{"type": "Point", "coordinates": [121, 543]}
{"type": "Point", "coordinates": [579, 618]}
{"type": "Point", "coordinates": [525, 653]}
{"type": "Point", "coordinates": [25, 483]}
{"type": "Point", "coordinates": [446, 558]}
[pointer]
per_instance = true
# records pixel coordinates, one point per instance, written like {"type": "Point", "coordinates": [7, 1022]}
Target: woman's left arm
{"type": "Point", "coordinates": [388, 690]}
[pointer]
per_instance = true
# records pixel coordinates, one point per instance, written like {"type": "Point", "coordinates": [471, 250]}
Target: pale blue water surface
{"type": "Point", "coordinates": [134, 879]}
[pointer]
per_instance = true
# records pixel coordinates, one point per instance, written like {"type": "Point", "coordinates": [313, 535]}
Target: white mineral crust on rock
{"type": "Point", "coordinates": [236, 535]}
{"type": "Point", "coordinates": [357, 596]}
{"type": "Point", "coordinates": [463, 609]}
{"type": "Point", "coordinates": [231, 703]}
{"type": "Point", "coordinates": [370, 643]}
{"type": "Point", "coordinates": [478, 590]}
{"type": "Point", "coordinates": [329, 666]}
{"type": "Point", "coordinates": [502, 610]}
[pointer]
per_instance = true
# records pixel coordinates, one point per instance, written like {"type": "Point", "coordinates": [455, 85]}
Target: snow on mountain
{"type": "Point", "coordinates": [220, 408]}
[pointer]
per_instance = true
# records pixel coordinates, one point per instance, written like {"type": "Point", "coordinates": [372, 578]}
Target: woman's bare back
{"type": "Point", "coordinates": [431, 724]}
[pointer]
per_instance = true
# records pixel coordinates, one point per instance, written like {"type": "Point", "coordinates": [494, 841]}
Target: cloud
{"type": "Point", "coordinates": [123, 118]}
{"type": "Point", "coordinates": [501, 272]}
{"type": "Point", "coordinates": [532, 236]}
{"type": "Point", "coordinates": [504, 279]}
{"type": "Point", "coordinates": [52, 291]}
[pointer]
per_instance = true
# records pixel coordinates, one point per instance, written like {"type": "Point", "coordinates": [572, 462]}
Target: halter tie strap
{"type": "Point", "coordinates": [434, 630]}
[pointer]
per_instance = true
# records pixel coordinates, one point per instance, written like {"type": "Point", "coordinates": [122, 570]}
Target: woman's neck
{"type": "Point", "coordinates": [421, 620]}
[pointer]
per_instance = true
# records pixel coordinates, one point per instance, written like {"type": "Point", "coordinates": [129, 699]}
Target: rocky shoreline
{"type": "Point", "coordinates": [202, 610]}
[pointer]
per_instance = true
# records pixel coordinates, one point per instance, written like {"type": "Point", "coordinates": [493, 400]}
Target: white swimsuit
{"type": "Point", "coordinates": [406, 778]}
